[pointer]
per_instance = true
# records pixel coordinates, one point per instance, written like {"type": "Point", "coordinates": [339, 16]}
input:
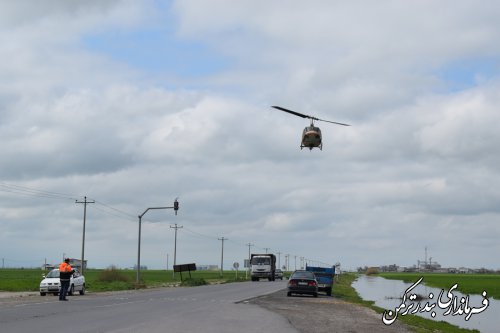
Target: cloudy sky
{"type": "Point", "coordinates": [135, 103]}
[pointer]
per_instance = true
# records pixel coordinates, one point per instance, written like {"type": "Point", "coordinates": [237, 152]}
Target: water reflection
{"type": "Point", "coordinates": [387, 295]}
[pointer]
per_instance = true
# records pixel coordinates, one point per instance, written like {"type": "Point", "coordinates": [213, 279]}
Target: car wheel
{"type": "Point", "coordinates": [82, 292]}
{"type": "Point", "coordinates": [71, 290]}
{"type": "Point", "coordinates": [329, 292]}
{"type": "Point", "coordinates": [42, 294]}
{"type": "Point", "coordinates": [289, 294]}
{"type": "Point", "coordinates": [55, 294]}
{"type": "Point", "coordinates": [315, 294]}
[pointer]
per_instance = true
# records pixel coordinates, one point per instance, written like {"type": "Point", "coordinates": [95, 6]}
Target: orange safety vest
{"type": "Point", "coordinates": [65, 267]}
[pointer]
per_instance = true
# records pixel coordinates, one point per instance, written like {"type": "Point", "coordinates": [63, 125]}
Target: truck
{"type": "Point", "coordinates": [263, 266]}
{"type": "Point", "coordinates": [324, 276]}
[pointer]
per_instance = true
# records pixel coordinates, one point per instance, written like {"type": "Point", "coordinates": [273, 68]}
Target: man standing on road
{"type": "Point", "coordinates": [65, 272]}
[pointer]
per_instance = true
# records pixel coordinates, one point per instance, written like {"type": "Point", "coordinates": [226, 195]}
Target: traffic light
{"type": "Point", "coordinates": [176, 206]}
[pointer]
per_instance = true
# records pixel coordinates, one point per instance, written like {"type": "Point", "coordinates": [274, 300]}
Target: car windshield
{"type": "Point", "coordinates": [302, 275]}
{"type": "Point", "coordinates": [53, 273]}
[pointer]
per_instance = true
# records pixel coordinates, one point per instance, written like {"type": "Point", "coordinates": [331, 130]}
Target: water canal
{"type": "Point", "coordinates": [388, 294]}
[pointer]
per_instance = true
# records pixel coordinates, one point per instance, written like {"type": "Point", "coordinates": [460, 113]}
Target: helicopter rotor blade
{"type": "Point", "coordinates": [306, 116]}
{"type": "Point", "coordinates": [293, 112]}
{"type": "Point", "coordinates": [333, 122]}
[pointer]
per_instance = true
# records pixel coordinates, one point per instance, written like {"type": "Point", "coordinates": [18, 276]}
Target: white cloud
{"type": "Point", "coordinates": [418, 167]}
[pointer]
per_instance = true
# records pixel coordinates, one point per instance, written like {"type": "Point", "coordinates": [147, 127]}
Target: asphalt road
{"type": "Point", "coordinates": [213, 308]}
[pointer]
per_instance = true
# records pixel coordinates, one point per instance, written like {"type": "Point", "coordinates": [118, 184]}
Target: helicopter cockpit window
{"type": "Point", "coordinates": [312, 129]}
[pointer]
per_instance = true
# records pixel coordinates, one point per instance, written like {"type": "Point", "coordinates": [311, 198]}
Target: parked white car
{"type": "Point", "coordinates": [51, 283]}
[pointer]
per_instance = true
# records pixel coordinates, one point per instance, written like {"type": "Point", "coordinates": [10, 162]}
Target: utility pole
{"type": "Point", "coordinates": [84, 202]}
{"type": "Point", "coordinates": [175, 246]}
{"type": "Point", "coordinates": [295, 260]}
{"type": "Point", "coordinates": [249, 263]}
{"type": "Point", "coordinates": [222, 256]}
{"type": "Point", "coordinates": [266, 248]}
{"type": "Point", "coordinates": [425, 257]}
{"type": "Point", "coordinates": [279, 259]}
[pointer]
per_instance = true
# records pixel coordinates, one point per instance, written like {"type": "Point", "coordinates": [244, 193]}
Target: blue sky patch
{"type": "Point", "coordinates": [468, 73]}
{"type": "Point", "coordinates": [157, 49]}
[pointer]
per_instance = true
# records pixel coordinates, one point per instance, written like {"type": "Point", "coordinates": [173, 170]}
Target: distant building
{"type": "Point", "coordinates": [48, 267]}
{"type": "Point", "coordinates": [207, 267]}
{"type": "Point", "coordinates": [390, 268]}
{"type": "Point", "coordinates": [428, 266]}
{"type": "Point", "coordinates": [464, 270]}
{"type": "Point", "coordinates": [77, 263]}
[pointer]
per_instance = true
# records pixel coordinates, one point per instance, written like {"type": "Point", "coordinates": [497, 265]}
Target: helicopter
{"type": "Point", "coordinates": [311, 136]}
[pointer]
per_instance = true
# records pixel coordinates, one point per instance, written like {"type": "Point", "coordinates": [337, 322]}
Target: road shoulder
{"type": "Point", "coordinates": [325, 314]}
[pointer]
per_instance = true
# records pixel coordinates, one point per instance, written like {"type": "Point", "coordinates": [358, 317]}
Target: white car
{"type": "Point", "coordinates": [278, 274]}
{"type": "Point", "coordinates": [51, 283]}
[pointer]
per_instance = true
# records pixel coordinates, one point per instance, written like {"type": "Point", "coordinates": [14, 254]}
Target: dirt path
{"type": "Point", "coordinates": [9, 294]}
{"type": "Point", "coordinates": [325, 314]}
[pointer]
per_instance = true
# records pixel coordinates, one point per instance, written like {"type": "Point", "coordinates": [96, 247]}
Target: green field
{"type": "Point", "coordinates": [29, 279]}
{"type": "Point", "coordinates": [467, 283]}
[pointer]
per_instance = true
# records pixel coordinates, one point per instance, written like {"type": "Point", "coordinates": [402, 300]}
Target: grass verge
{"type": "Point", "coordinates": [98, 280]}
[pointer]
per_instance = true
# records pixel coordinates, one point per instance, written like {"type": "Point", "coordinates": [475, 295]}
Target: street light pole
{"type": "Point", "coordinates": [138, 274]}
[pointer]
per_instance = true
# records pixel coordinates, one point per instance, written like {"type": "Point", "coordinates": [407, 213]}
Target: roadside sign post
{"type": "Point", "coordinates": [236, 265]}
{"type": "Point", "coordinates": [184, 268]}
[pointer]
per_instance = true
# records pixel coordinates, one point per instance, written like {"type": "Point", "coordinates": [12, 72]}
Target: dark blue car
{"type": "Point", "coordinates": [303, 283]}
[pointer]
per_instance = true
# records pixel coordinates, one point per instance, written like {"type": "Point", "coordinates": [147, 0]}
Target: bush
{"type": "Point", "coordinates": [193, 282]}
{"type": "Point", "coordinates": [372, 271]}
{"type": "Point", "coordinates": [112, 274]}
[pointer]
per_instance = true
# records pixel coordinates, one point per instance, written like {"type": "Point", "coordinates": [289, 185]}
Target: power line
{"type": "Point", "coordinates": [131, 216]}
{"type": "Point", "coordinates": [33, 192]}
{"type": "Point", "coordinates": [199, 234]}
{"type": "Point", "coordinates": [128, 218]}
{"type": "Point", "coordinates": [40, 193]}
